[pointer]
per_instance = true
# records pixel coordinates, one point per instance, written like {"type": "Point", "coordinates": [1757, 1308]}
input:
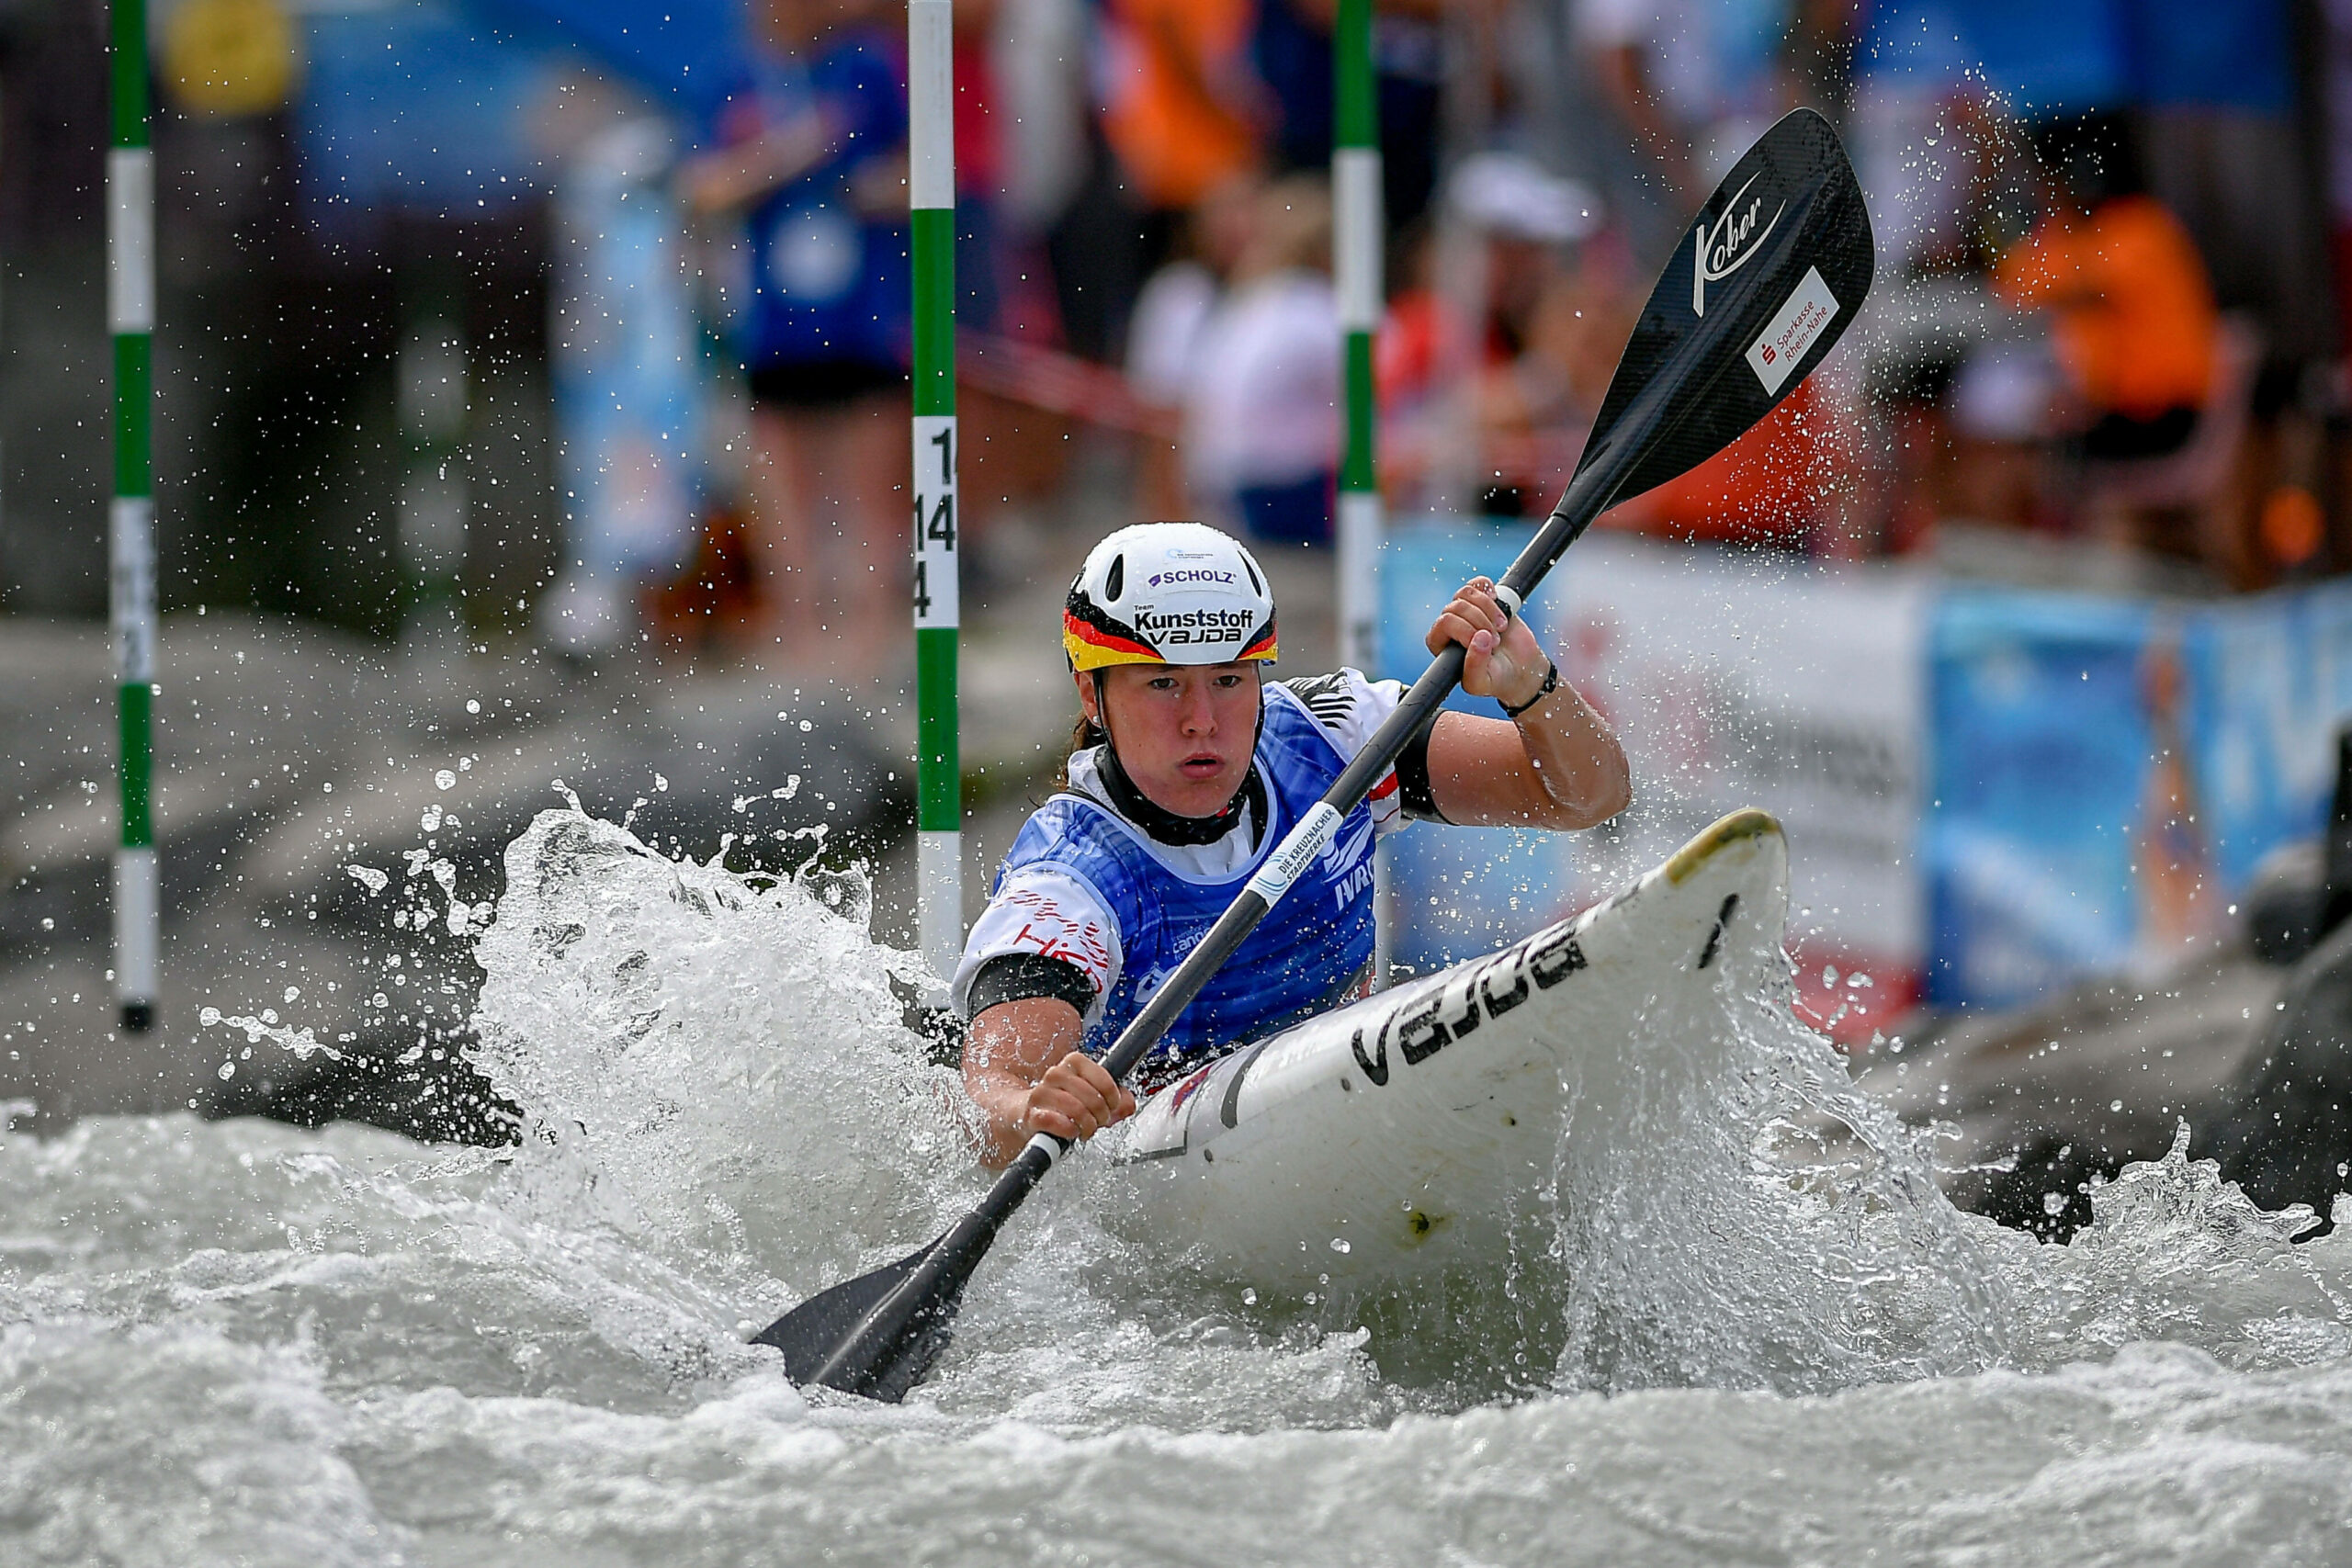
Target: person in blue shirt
{"type": "Point", "coordinates": [812, 154]}
{"type": "Point", "coordinates": [1188, 770]}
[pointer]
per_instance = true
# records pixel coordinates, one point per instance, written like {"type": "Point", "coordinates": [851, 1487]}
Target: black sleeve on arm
{"type": "Point", "coordinates": [1017, 977]}
{"type": "Point", "coordinates": [1415, 794]}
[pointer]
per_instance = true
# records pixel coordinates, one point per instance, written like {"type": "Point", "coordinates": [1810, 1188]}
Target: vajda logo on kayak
{"type": "Point", "coordinates": [1430, 1027]}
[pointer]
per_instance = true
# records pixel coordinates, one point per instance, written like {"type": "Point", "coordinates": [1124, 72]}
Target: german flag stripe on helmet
{"type": "Point", "coordinates": [1093, 648]}
{"type": "Point", "coordinates": [1095, 641]}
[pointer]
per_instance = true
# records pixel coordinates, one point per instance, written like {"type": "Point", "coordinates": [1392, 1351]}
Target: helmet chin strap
{"type": "Point", "coordinates": [1155, 820]}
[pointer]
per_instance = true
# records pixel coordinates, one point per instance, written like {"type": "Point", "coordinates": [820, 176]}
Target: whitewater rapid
{"type": "Point", "coordinates": [1771, 1342]}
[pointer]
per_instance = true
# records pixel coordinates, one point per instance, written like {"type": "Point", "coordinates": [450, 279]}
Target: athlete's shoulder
{"type": "Point", "coordinates": [1346, 705]}
{"type": "Point", "coordinates": [1068, 824]}
{"type": "Point", "coordinates": [1053, 911]}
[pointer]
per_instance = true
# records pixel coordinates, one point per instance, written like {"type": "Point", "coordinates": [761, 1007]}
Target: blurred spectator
{"type": "Point", "coordinates": [815, 153]}
{"type": "Point", "coordinates": [2125, 420]}
{"type": "Point", "coordinates": [1697, 81]}
{"type": "Point", "coordinates": [2227, 151]}
{"type": "Point", "coordinates": [2133, 319]}
{"type": "Point", "coordinates": [2198, 102]}
{"type": "Point", "coordinates": [1261, 423]}
{"type": "Point", "coordinates": [1291, 46]}
{"type": "Point", "coordinates": [979, 169]}
{"type": "Point", "coordinates": [1183, 108]}
{"type": "Point", "coordinates": [2336, 63]}
{"type": "Point", "coordinates": [1173, 110]}
{"type": "Point", "coordinates": [2215, 86]}
{"type": "Point", "coordinates": [1037, 57]}
{"type": "Point", "coordinates": [1164, 335]}
{"type": "Point", "coordinates": [625, 366]}
{"type": "Point", "coordinates": [1459, 397]}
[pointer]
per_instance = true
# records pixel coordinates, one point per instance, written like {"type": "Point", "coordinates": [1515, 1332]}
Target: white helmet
{"type": "Point", "coordinates": [1168, 593]}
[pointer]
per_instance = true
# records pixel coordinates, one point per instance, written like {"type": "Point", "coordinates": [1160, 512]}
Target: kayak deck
{"type": "Point", "coordinates": [1402, 1133]}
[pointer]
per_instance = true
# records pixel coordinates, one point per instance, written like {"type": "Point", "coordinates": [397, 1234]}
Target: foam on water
{"type": "Point", "coordinates": [1757, 1335]}
{"type": "Point", "coordinates": [711, 1066]}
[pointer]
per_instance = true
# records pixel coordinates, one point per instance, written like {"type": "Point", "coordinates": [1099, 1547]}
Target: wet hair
{"type": "Point", "coordinates": [1084, 735]}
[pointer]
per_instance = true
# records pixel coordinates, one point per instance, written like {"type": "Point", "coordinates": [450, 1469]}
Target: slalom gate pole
{"type": "Point", "coordinates": [931, 198]}
{"type": "Point", "coordinates": [130, 316]}
{"type": "Point", "coordinates": [1357, 245]}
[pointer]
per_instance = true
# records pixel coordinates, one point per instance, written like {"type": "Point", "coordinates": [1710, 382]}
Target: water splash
{"type": "Point", "coordinates": [1770, 1229]}
{"type": "Point", "coordinates": [245, 1340]}
{"type": "Point", "coordinates": [711, 1065]}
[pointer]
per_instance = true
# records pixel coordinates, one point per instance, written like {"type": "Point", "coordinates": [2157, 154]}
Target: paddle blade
{"type": "Point", "coordinates": [1766, 281]}
{"type": "Point", "coordinates": [879, 1332]}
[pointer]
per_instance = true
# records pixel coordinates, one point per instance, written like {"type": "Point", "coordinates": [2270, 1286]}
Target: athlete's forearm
{"type": "Point", "coordinates": [1554, 763]}
{"type": "Point", "coordinates": [1576, 758]}
{"type": "Point", "coordinates": [1009, 1052]}
{"type": "Point", "coordinates": [1555, 766]}
{"type": "Point", "coordinates": [1002, 1097]}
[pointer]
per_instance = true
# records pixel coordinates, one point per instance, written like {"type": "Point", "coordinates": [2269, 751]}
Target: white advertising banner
{"type": "Point", "coordinates": [1735, 678]}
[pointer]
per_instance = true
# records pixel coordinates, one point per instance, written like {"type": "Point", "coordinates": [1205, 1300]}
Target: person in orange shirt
{"type": "Point", "coordinates": [2134, 326]}
{"type": "Point", "coordinates": [1182, 107]}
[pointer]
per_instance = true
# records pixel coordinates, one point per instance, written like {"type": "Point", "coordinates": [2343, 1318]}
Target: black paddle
{"type": "Point", "coordinates": [1773, 274]}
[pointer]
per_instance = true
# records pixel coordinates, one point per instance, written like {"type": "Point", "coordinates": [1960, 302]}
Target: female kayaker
{"type": "Point", "coordinates": [1187, 771]}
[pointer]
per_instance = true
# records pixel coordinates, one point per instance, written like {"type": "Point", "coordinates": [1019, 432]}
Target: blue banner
{"type": "Point", "coordinates": [2108, 774]}
{"type": "Point", "coordinates": [2038, 748]}
{"type": "Point", "coordinates": [1991, 794]}
{"type": "Point", "coordinates": [2270, 680]}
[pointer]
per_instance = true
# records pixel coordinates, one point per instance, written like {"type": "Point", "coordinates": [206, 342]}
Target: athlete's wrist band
{"type": "Point", "coordinates": [1551, 685]}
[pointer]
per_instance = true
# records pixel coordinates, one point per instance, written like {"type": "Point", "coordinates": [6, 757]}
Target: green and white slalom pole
{"type": "Point", "coordinates": [930, 198]}
{"type": "Point", "coordinates": [1357, 231]}
{"type": "Point", "coordinates": [130, 316]}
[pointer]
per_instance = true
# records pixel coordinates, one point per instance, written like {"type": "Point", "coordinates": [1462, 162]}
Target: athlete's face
{"type": "Point", "coordinates": [1184, 732]}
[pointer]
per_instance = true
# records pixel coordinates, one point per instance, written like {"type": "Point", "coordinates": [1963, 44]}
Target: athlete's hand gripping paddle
{"type": "Point", "coordinates": [1772, 273]}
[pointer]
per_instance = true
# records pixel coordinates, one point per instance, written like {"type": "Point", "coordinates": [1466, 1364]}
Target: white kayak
{"type": "Point", "coordinates": [1400, 1135]}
